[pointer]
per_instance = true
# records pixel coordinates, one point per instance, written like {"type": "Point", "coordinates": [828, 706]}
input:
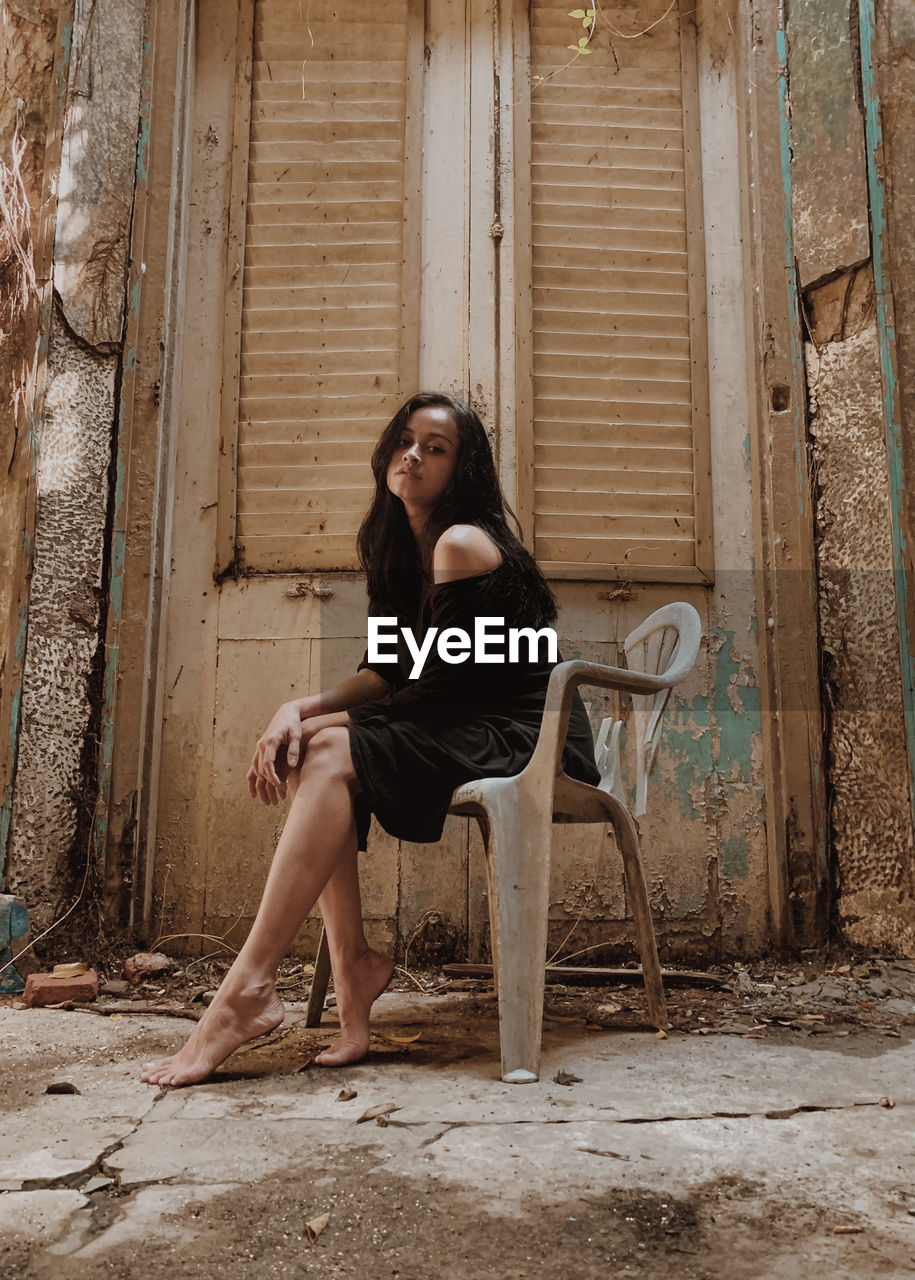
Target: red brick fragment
{"type": "Point", "coordinates": [43, 988]}
{"type": "Point", "coordinates": [146, 964]}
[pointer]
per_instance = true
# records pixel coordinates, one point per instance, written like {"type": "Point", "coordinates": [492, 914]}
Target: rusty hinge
{"type": "Point", "coordinates": [301, 589]}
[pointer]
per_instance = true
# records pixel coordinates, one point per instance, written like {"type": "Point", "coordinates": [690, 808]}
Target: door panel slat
{"type": "Point", "coordinates": [326, 287]}
{"type": "Point", "coordinates": [612, 360]}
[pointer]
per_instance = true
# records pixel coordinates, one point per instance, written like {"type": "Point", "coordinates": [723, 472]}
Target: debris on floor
{"type": "Point", "coordinates": [754, 1000]}
{"type": "Point", "coordinates": [58, 988]}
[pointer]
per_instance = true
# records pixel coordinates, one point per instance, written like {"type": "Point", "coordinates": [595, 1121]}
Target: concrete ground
{"type": "Point", "coordinates": [763, 1153]}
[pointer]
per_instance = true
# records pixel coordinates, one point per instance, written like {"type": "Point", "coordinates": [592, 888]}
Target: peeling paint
{"type": "Point", "coordinates": [689, 905]}
{"type": "Point", "coordinates": [142, 144]}
{"type": "Point", "coordinates": [710, 744]}
{"type": "Point", "coordinates": [735, 857]}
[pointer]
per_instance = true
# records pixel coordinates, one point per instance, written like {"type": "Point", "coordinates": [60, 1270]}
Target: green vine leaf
{"type": "Point", "coordinates": [578, 13]}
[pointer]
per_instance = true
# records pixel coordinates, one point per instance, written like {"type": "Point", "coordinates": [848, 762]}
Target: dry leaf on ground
{"type": "Point", "coordinates": [380, 1109]}
{"type": "Point", "coordinates": [315, 1226]}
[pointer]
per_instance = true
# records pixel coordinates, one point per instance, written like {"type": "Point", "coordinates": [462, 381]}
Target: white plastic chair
{"type": "Point", "coordinates": [516, 817]}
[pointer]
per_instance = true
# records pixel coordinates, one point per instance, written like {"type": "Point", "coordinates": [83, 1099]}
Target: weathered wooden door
{"type": "Point", "coordinates": [384, 197]}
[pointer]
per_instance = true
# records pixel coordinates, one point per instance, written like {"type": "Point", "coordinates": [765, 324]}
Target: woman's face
{"type": "Point", "coordinates": [424, 458]}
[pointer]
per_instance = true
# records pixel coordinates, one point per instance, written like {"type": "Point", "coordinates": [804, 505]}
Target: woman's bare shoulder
{"type": "Point", "coordinates": [464, 551]}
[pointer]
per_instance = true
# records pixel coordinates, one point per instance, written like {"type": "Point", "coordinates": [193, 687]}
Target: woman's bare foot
{"type": "Point", "coordinates": [238, 1013]}
{"type": "Point", "coordinates": [357, 989]}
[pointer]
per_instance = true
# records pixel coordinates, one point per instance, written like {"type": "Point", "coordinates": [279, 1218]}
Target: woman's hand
{"type": "Point", "coordinates": [278, 746]}
{"type": "Point", "coordinates": [282, 746]}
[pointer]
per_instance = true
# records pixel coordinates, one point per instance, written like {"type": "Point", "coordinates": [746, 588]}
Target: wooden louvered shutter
{"type": "Point", "coordinates": [327, 215]}
{"type": "Point", "coordinates": [620, 431]}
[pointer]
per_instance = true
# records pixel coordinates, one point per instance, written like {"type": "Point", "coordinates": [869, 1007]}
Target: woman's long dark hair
{"type": "Point", "coordinates": [387, 548]}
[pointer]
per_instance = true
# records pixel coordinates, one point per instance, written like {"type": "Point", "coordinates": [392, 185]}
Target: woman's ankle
{"type": "Point", "coordinates": [250, 985]}
{"type": "Point", "coordinates": [352, 955]}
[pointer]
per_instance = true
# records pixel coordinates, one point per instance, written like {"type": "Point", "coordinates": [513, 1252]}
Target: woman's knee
{"type": "Point", "coordinates": [329, 752]}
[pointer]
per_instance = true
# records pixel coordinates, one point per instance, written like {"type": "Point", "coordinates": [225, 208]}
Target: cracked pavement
{"type": "Point", "coordinates": [720, 1155]}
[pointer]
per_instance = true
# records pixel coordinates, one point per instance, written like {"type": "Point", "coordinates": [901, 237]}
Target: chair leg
{"type": "Point", "coordinates": [519, 854]}
{"type": "Point", "coordinates": [485, 834]}
{"type": "Point", "coordinates": [318, 992]}
{"type": "Point", "coordinates": [641, 912]}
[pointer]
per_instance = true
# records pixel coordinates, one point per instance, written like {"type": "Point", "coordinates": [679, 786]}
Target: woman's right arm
{"type": "Point", "coordinates": [285, 729]}
{"type": "Point", "coordinates": [355, 691]}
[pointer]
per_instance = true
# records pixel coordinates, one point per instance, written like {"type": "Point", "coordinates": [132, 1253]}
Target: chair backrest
{"type": "Point", "coordinates": [666, 644]}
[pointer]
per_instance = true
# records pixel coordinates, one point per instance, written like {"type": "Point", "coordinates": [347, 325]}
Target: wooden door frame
{"type": "Point", "coordinates": [795, 804]}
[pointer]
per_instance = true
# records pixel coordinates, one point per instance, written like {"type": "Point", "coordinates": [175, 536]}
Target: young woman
{"type": "Point", "coordinates": [438, 552]}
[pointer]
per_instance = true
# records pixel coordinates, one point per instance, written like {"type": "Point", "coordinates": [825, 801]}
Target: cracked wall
{"type": "Point", "coordinates": [868, 773]}
{"type": "Point", "coordinates": [53, 799]}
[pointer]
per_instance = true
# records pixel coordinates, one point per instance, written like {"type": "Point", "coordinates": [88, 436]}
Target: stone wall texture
{"type": "Point", "coordinates": [56, 772]}
{"type": "Point", "coordinates": [871, 831]}
{"type": "Point", "coordinates": [64, 619]}
{"type": "Point", "coordinates": [867, 761]}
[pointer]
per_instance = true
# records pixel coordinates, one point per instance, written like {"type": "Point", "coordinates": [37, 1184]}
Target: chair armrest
{"type": "Point", "coordinates": [564, 680]}
{"type": "Point", "coordinates": [577, 672]}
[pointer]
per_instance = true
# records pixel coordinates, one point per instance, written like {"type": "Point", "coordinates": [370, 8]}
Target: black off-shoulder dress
{"type": "Point", "coordinates": [455, 722]}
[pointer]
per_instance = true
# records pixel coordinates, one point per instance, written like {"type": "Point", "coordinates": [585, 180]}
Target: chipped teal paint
{"type": "Point", "coordinates": [735, 857]}
{"type": "Point", "coordinates": [746, 452]}
{"type": "Point", "coordinates": [689, 905]}
{"type": "Point", "coordinates": [688, 745]}
{"type": "Point", "coordinates": [887, 336]}
{"type": "Point", "coordinates": [6, 815]}
{"type": "Point", "coordinates": [737, 729]}
{"type": "Point", "coordinates": [130, 360]}
{"type": "Point", "coordinates": [142, 143]}
{"type": "Point", "coordinates": [821, 64]}
{"type": "Point", "coordinates": [66, 48]}
{"type": "Point", "coordinates": [707, 738]}
{"type": "Point", "coordinates": [800, 480]}
{"type": "Point", "coordinates": [794, 311]}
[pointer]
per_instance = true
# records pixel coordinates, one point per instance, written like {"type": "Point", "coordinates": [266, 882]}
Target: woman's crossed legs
{"type": "Point", "coordinates": [315, 860]}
